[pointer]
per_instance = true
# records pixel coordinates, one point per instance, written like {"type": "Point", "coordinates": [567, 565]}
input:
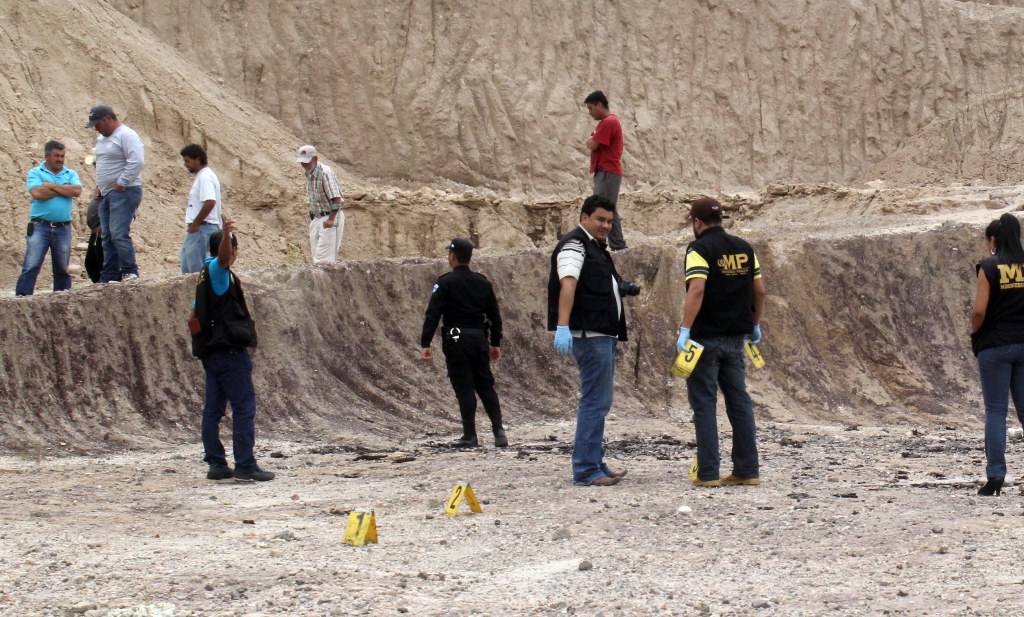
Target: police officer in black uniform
{"type": "Point", "coordinates": [467, 302]}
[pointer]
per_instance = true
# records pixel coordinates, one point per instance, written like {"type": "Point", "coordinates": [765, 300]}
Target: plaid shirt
{"type": "Point", "coordinates": [321, 187]}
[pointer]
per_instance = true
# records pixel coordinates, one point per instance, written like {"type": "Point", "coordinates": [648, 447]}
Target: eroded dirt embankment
{"type": "Point", "coordinates": [859, 328]}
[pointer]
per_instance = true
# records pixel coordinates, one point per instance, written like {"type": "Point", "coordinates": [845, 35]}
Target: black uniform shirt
{"type": "Point", "coordinates": [466, 300]}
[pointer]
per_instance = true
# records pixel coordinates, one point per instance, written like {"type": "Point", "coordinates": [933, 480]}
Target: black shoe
{"type": "Point", "coordinates": [994, 486]}
{"type": "Point", "coordinates": [500, 439]}
{"type": "Point", "coordinates": [219, 472]}
{"type": "Point", "coordinates": [254, 473]}
{"type": "Point", "coordinates": [466, 442]}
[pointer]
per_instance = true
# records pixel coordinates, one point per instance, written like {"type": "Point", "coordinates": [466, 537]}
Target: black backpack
{"type": "Point", "coordinates": [224, 321]}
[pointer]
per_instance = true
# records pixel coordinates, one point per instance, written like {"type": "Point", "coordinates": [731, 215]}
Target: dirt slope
{"type": "Point", "coordinates": [710, 93]}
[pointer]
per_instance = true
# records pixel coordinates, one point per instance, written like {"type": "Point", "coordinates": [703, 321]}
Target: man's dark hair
{"type": "Point", "coordinates": [52, 145]}
{"type": "Point", "coordinates": [194, 151]}
{"type": "Point", "coordinates": [594, 202]}
{"type": "Point", "coordinates": [215, 241]}
{"type": "Point", "coordinates": [596, 97]}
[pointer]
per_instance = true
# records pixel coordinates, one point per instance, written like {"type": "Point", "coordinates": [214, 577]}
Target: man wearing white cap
{"type": "Point", "coordinates": [326, 220]}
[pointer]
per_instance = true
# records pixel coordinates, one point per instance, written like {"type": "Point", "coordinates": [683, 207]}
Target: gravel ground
{"type": "Point", "coordinates": [849, 521]}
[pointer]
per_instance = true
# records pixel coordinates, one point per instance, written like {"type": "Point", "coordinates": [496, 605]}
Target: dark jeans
{"type": "Point", "coordinates": [595, 357]}
{"type": "Point", "coordinates": [1002, 376]}
{"type": "Point", "coordinates": [117, 211]}
{"type": "Point", "coordinates": [469, 370]}
{"type": "Point", "coordinates": [229, 379]}
{"type": "Point", "coordinates": [607, 185]}
{"type": "Point", "coordinates": [722, 366]}
{"type": "Point", "coordinates": [44, 238]}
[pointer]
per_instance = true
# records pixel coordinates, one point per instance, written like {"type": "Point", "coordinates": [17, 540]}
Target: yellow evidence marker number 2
{"type": "Point", "coordinates": [361, 527]}
{"type": "Point", "coordinates": [462, 491]}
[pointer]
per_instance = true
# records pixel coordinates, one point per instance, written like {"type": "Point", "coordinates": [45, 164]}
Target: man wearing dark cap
{"type": "Point", "coordinates": [723, 308]}
{"type": "Point", "coordinates": [120, 155]}
{"type": "Point", "coordinates": [467, 302]}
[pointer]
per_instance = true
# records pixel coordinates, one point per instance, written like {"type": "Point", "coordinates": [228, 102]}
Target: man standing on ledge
{"type": "Point", "coordinates": [326, 220]}
{"type": "Point", "coordinates": [52, 186]}
{"type": "Point", "coordinates": [605, 145]}
{"type": "Point", "coordinates": [585, 311]}
{"type": "Point", "coordinates": [724, 303]}
{"type": "Point", "coordinates": [202, 215]}
{"type": "Point", "coordinates": [466, 300]}
{"type": "Point", "coordinates": [120, 155]}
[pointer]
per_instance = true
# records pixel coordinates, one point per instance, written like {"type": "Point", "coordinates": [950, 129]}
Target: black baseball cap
{"type": "Point", "coordinates": [98, 113]}
{"type": "Point", "coordinates": [462, 248]}
{"type": "Point", "coordinates": [707, 209]}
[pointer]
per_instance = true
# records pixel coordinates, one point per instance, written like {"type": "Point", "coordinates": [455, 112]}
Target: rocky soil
{"type": "Point", "coordinates": [851, 520]}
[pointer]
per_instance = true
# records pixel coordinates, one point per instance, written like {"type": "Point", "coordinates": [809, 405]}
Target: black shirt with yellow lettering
{"type": "Point", "coordinates": [1004, 316]}
{"type": "Point", "coordinates": [730, 267]}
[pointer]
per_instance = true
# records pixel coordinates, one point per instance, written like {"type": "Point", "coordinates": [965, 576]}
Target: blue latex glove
{"type": "Point", "coordinates": [563, 340]}
{"type": "Point", "coordinates": [684, 335]}
{"type": "Point", "coordinates": [756, 338]}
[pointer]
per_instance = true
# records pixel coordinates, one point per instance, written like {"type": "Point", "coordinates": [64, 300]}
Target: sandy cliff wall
{"type": "Point", "coordinates": [711, 92]}
{"type": "Point", "coordinates": [338, 350]}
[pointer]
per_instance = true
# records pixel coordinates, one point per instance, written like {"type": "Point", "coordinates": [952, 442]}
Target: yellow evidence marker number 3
{"type": "Point", "coordinates": [462, 491]}
{"type": "Point", "coordinates": [361, 527]}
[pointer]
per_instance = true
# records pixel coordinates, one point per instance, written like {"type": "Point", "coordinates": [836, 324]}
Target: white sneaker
{"type": "Point", "coordinates": [131, 276]}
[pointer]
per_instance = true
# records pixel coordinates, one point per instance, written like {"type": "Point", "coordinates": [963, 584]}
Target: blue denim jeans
{"type": "Point", "coordinates": [1002, 376]}
{"type": "Point", "coordinates": [196, 248]}
{"type": "Point", "coordinates": [595, 357]}
{"type": "Point", "coordinates": [722, 365]}
{"type": "Point", "coordinates": [44, 237]}
{"type": "Point", "coordinates": [117, 211]}
{"type": "Point", "coordinates": [229, 379]}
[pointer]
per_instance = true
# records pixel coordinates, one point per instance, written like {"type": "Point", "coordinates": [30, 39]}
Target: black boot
{"type": "Point", "coordinates": [467, 441]}
{"type": "Point", "coordinates": [994, 486]}
{"type": "Point", "coordinates": [500, 440]}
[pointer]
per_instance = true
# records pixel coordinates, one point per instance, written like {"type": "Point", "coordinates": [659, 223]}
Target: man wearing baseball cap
{"type": "Point", "coordinates": [467, 302]}
{"type": "Point", "coordinates": [120, 156]}
{"type": "Point", "coordinates": [723, 308]}
{"type": "Point", "coordinates": [326, 220]}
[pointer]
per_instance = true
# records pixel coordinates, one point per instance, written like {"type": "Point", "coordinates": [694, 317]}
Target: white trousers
{"type": "Point", "coordinates": [325, 242]}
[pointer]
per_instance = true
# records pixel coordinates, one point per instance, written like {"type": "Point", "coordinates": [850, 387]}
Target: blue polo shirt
{"type": "Point", "coordinates": [55, 209]}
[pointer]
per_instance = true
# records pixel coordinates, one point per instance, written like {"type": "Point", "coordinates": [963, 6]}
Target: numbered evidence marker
{"type": "Point", "coordinates": [361, 527]}
{"type": "Point", "coordinates": [687, 359]}
{"type": "Point", "coordinates": [754, 354]}
{"type": "Point", "coordinates": [462, 491]}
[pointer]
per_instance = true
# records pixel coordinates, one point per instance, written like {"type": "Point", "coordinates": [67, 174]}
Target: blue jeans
{"type": "Point", "coordinates": [1002, 376]}
{"type": "Point", "coordinates": [722, 366]}
{"type": "Point", "coordinates": [117, 211]}
{"type": "Point", "coordinates": [595, 358]}
{"type": "Point", "coordinates": [196, 248]}
{"type": "Point", "coordinates": [44, 237]}
{"type": "Point", "coordinates": [229, 379]}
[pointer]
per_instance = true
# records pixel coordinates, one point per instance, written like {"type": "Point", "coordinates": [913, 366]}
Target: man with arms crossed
{"type": "Point", "coordinates": [52, 187]}
{"type": "Point", "coordinates": [605, 145]}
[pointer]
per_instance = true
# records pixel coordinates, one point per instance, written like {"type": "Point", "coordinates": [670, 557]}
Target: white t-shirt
{"type": "Point", "coordinates": [205, 187]}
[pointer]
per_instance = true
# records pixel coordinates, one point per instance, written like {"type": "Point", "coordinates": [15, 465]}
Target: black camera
{"type": "Point", "coordinates": [628, 288]}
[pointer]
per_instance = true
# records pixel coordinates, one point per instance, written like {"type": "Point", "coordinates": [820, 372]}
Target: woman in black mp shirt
{"type": "Point", "coordinates": [997, 338]}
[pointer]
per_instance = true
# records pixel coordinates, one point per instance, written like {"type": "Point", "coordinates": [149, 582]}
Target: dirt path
{"type": "Point", "coordinates": [849, 521]}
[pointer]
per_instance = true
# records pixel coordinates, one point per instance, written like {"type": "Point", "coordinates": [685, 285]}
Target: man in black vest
{"type": "Point", "coordinates": [585, 312]}
{"type": "Point", "coordinates": [222, 329]}
{"type": "Point", "coordinates": [466, 300]}
{"type": "Point", "coordinates": [724, 304]}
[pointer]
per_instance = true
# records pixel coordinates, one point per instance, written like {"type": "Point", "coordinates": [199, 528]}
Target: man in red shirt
{"type": "Point", "coordinates": [605, 146]}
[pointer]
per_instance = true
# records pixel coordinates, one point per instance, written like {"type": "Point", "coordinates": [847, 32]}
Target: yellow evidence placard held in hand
{"type": "Point", "coordinates": [754, 354]}
{"type": "Point", "coordinates": [687, 359]}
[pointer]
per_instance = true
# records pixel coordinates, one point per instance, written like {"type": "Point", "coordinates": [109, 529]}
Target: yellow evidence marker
{"type": "Point", "coordinates": [693, 469]}
{"type": "Point", "coordinates": [361, 527]}
{"type": "Point", "coordinates": [754, 354]}
{"type": "Point", "coordinates": [687, 359]}
{"type": "Point", "coordinates": [462, 491]}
